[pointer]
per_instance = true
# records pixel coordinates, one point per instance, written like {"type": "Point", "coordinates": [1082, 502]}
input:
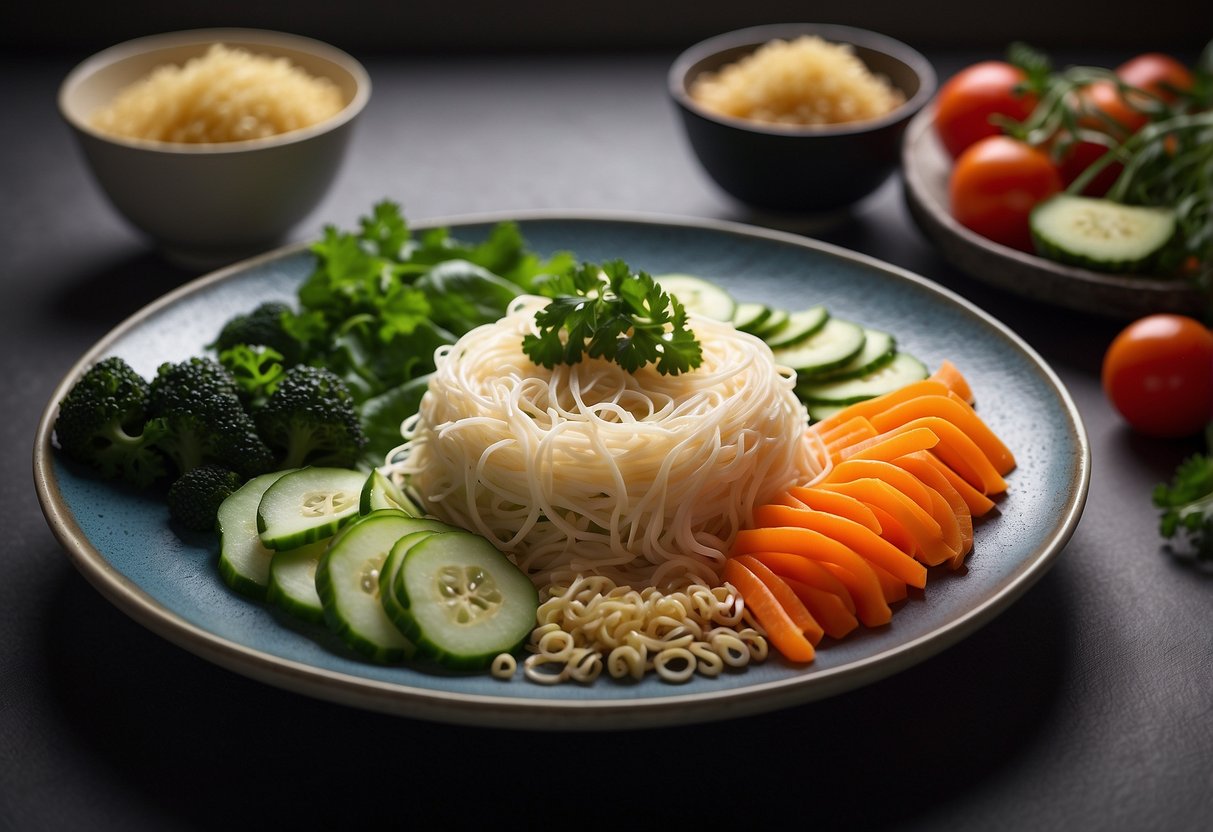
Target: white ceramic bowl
{"type": "Point", "coordinates": [207, 204]}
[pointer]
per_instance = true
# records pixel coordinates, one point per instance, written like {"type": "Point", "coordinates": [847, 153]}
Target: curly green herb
{"type": "Point", "coordinates": [609, 312]}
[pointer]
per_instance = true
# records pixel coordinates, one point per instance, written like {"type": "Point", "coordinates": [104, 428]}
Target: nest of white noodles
{"type": "Point", "coordinates": [590, 469]}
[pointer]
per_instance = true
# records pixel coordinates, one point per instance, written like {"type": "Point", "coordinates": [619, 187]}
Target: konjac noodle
{"type": "Point", "coordinates": [587, 468]}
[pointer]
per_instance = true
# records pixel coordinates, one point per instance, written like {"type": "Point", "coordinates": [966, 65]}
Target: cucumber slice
{"type": "Point", "coordinates": [464, 602]}
{"type": "Point", "coordinates": [307, 505]}
{"type": "Point", "coordinates": [774, 324]}
{"type": "Point", "coordinates": [292, 586]}
{"type": "Point", "coordinates": [347, 581]}
{"type": "Point", "coordinates": [244, 561]}
{"type": "Point", "coordinates": [391, 569]}
{"type": "Point", "coordinates": [899, 372]}
{"type": "Point", "coordinates": [750, 317]}
{"type": "Point", "coordinates": [802, 326]}
{"type": "Point", "coordinates": [879, 348]}
{"type": "Point", "coordinates": [1101, 234]}
{"type": "Point", "coordinates": [380, 492]}
{"type": "Point", "coordinates": [699, 296]}
{"type": "Point", "coordinates": [833, 346]}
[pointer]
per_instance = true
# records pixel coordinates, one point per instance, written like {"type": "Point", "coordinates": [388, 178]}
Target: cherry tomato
{"type": "Point", "coordinates": [968, 99]}
{"type": "Point", "coordinates": [1158, 373]}
{"type": "Point", "coordinates": [1153, 72]}
{"type": "Point", "coordinates": [996, 183]}
{"type": "Point", "coordinates": [1156, 73]}
{"type": "Point", "coordinates": [1079, 156]}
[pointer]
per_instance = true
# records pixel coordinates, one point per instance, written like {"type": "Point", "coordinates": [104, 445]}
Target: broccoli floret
{"type": "Point", "coordinates": [256, 371]}
{"type": "Point", "coordinates": [194, 498]}
{"type": "Point", "coordinates": [311, 419]}
{"type": "Point", "coordinates": [261, 327]}
{"type": "Point", "coordinates": [195, 405]}
{"type": "Point", "coordinates": [102, 423]}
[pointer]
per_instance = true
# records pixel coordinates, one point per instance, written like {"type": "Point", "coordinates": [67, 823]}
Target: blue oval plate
{"type": "Point", "coordinates": [122, 543]}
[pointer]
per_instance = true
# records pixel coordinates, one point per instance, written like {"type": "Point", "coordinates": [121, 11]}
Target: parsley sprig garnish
{"type": "Point", "coordinates": [608, 311]}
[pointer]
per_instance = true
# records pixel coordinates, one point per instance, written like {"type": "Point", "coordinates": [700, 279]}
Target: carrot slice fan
{"type": "Point", "coordinates": [906, 474]}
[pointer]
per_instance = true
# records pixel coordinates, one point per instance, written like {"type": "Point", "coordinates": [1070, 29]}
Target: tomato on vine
{"type": "Point", "coordinates": [996, 183]}
{"type": "Point", "coordinates": [968, 100]}
{"type": "Point", "coordinates": [1157, 74]}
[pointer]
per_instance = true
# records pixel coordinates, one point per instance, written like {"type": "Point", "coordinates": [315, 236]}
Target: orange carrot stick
{"type": "Point", "coordinates": [854, 571]}
{"type": "Point", "coordinates": [954, 447]}
{"type": "Point", "coordinates": [808, 572]}
{"type": "Point", "coordinates": [909, 484]}
{"type": "Point", "coordinates": [866, 543]}
{"type": "Point", "coordinates": [787, 599]}
{"type": "Point", "coordinates": [888, 446]}
{"type": "Point", "coordinates": [831, 502]}
{"type": "Point", "coordinates": [952, 378]}
{"type": "Point", "coordinates": [857, 468]}
{"type": "Point", "coordinates": [782, 631]}
{"type": "Point", "coordinates": [893, 589]}
{"type": "Point", "coordinates": [835, 618]}
{"type": "Point", "coordinates": [869, 407]}
{"type": "Point", "coordinates": [919, 465]}
{"type": "Point", "coordinates": [892, 531]}
{"type": "Point", "coordinates": [955, 410]}
{"type": "Point", "coordinates": [978, 503]}
{"type": "Point", "coordinates": [858, 424]}
{"type": "Point", "coordinates": [929, 544]}
{"type": "Point", "coordinates": [845, 440]}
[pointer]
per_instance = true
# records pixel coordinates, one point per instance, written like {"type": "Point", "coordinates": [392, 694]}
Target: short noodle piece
{"type": "Point", "coordinates": [591, 625]}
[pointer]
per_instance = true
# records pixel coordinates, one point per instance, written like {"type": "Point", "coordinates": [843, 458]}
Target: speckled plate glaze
{"type": "Point", "coordinates": [122, 544]}
{"type": "Point", "coordinates": [926, 167]}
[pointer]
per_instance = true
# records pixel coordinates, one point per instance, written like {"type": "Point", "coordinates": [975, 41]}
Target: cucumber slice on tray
{"type": "Point", "coordinates": [773, 325]}
{"type": "Point", "coordinates": [750, 317]}
{"type": "Point", "coordinates": [459, 599]}
{"type": "Point", "coordinates": [244, 561]}
{"type": "Point", "coordinates": [347, 581]}
{"type": "Point", "coordinates": [801, 326]}
{"type": "Point", "coordinates": [833, 346]}
{"type": "Point", "coordinates": [699, 296]}
{"type": "Point", "coordinates": [879, 348]}
{"type": "Point", "coordinates": [292, 586]}
{"type": "Point", "coordinates": [380, 492]}
{"type": "Point", "coordinates": [307, 505]}
{"type": "Point", "coordinates": [902, 370]}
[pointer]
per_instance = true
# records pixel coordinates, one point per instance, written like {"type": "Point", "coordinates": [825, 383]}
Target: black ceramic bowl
{"type": "Point", "coordinates": [793, 168]}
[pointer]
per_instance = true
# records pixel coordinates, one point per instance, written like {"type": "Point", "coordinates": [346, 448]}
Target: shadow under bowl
{"type": "Point", "coordinates": [794, 168]}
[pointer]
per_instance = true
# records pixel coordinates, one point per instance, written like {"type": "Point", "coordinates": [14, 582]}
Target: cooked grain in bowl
{"type": "Point", "coordinates": [226, 95]}
{"type": "Point", "coordinates": [805, 81]}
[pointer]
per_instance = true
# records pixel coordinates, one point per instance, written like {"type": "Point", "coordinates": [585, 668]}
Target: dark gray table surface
{"type": "Point", "coordinates": [1087, 705]}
